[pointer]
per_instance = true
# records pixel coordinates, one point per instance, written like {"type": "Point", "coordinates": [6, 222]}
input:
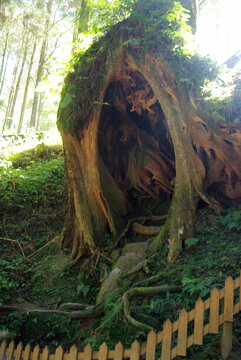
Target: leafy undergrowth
{"type": "Point", "coordinates": [33, 268]}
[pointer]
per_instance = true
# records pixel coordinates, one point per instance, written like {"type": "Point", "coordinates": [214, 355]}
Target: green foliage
{"type": "Point", "coordinates": [226, 106]}
{"type": "Point", "coordinates": [231, 220]}
{"type": "Point", "coordinates": [40, 152]}
{"type": "Point", "coordinates": [190, 242]}
{"type": "Point", "coordinates": [4, 291]}
{"type": "Point", "coordinates": [112, 307]}
{"type": "Point", "coordinates": [156, 27]}
{"type": "Point", "coordinates": [82, 289]}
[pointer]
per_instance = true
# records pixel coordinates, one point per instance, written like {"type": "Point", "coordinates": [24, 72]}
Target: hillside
{"type": "Point", "coordinates": [35, 271]}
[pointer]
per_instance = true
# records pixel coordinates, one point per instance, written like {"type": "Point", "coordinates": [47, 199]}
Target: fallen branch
{"type": "Point", "coordinates": [16, 242]}
{"type": "Point", "coordinates": [40, 249]}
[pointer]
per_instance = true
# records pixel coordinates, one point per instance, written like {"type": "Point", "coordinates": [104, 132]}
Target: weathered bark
{"type": "Point", "coordinates": [25, 95]}
{"type": "Point", "coordinates": [133, 134]}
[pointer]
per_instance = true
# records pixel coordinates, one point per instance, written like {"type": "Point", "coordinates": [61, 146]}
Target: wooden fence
{"type": "Point", "coordinates": [217, 310]}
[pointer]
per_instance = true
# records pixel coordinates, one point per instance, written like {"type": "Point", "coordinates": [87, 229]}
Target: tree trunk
{"type": "Point", "coordinates": [4, 74]}
{"type": "Point", "coordinates": [20, 124]}
{"type": "Point", "coordinates": [4, 66]}
{"type": "Point", "coordinates": [134, 134]}
{"type": "Point", "coordinates": [13, 85]}
{"type": "Point", "coordinates": [11, 113]}
{"type": "Point", "coordinates": [40, 71]}
{"type": "Point", "coordinates": [82, 14]}
{"type": "Point", "coordinates": [40, 107]}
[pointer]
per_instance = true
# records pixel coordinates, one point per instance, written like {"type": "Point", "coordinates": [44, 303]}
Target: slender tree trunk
{"type": "Point", "coordinates": [4, 74]}
{"type": "Point", "coordinates": [13, 85]}
{"type": "Point", "coordinates": [40, 106]}
{"type": "Point", "coordinates": [40, 71]}
{"type": "Point", "coordinates": [20, 124]}
{"type": "Point", "coordinates": [82, 15]}
{"type": "Point", "coordinates": [3, 61]}
{"type": "Point", "coordinates": [11, 113]}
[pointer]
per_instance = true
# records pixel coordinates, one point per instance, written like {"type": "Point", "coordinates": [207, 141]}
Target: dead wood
{"type": "Point", "coordinates": [145, 230]}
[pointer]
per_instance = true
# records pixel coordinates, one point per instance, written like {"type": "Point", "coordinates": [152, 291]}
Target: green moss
{"type": "Point", "coordinates": [154, 28]}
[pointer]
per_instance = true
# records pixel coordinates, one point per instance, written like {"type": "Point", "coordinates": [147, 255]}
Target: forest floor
{"type": "Point", "coordinates": [33, 269]}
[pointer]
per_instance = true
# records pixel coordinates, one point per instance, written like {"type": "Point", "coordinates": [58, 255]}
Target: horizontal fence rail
{"type": "Point", "coordinates": [174, 338]}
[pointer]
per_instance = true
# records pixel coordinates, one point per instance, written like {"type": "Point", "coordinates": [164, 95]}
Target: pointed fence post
{"type": "Point", "coordinates": [3, 349]}
{"type": "Point", "coordinates": [151, 346]}
{"type": "Point", "coordinates": [9, 351]}
{"type": "Point", "coordinates": [135, 351]}
{"type": "Point", "coordinates": [214, 311]}
{"type": "Point", "coordinates": [167, 341]}
{"type": "Point", "coordinates": [88, 352]}
{"type": "Point", "coordinates": [45, 353]}
{"type": "Point", "coordinates": [73, 353]}
{"type": "Point", "coordinates": [198, 323]}
{"type": "Point", "coordinates": [103, 352]}
{"type": "Point", "coordinates": [59, 353]}
{"type": "Point", "coordinates": [182, 333]}
{"type": "Point", "coordinates": [227, 333]}
{"type": "Point", "coordinates": [119, 351]}
{"type": "Point", "coordinates": [35, 353]}
{"type": "Point", "coordinates": [26, 352]}
{"type": "Point", "coordinates": [18, 352]}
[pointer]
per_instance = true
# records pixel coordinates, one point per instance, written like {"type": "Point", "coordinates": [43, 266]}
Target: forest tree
{"type": "Point", "coordinates": [132, 130]}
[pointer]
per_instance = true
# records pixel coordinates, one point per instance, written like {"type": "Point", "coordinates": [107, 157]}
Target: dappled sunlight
{"type": "Point", "coordinates": [12, 144]}
{"type": "Point", "coordinates": [219, 29]}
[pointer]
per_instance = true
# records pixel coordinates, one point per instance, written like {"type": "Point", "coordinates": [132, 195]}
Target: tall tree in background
{"type": "Point", "coordinates": [4, 63]}
{"type": "Point", "coordinates": [40, 71]}
{"type": "Point", "coordinates": [20, 124]}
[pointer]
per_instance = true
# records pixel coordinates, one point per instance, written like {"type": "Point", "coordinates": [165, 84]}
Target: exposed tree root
{"type": "Point", "coordinates": [145, 230]}
{"type": "Point", "coordinates": [129, 224]}
{"type": "Point", "coordinates": [160, 275]}
{"type": "Point", "coordinates": [81, 311]}
{"type": "Point", "coordinates": [212, 203]}
{"type": "Point", "coordinates": [144, 291]}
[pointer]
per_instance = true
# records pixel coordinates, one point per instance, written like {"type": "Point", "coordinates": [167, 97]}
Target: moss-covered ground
{"type": "Point", "coordinates": [33, 203]}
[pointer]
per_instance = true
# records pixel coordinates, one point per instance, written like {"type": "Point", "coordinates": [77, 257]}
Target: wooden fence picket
{"type": "Point", "coordinates": [240, 292]}
{"type": "Point", "coordinates": [198, 323]}
{"type": "Point", "coordinates": [73, 353]}
{"type": "Point", "coordinates": [217, 318]}
{"type": "Point", "coordinates": [9, 351]}
{"type": "Point", "coordinates": [182, 333]}
{"type": "Point", "coordinates": [167, 341]}
{"type": "Point", "coordinates": [59, 353]}
{"type": "Point", "coordinates": [135, 351]}
{"type": "Point", "coordinates": [3, 349]}
{"type": "Point", "coordinates": [151, 346]}
{"type": "Point", "coordinates": [88, 352]}
{"type": "Point", "coordinates": [35, 353]}
{"type": "Point", "coordinates": [18, 352]}
{"type": "Point", "coordinates": [26, 352]}
{"type": "Point", "coordinates": [228, 300]}
{"type": "Point", "coordinates": [103, 352]}
{"type": "Point", "coordinates": [45, 353]}
{"type": "Point", "coordinates": [119, 350]}
{"type": "Point", "coordinates": [214, 311]}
